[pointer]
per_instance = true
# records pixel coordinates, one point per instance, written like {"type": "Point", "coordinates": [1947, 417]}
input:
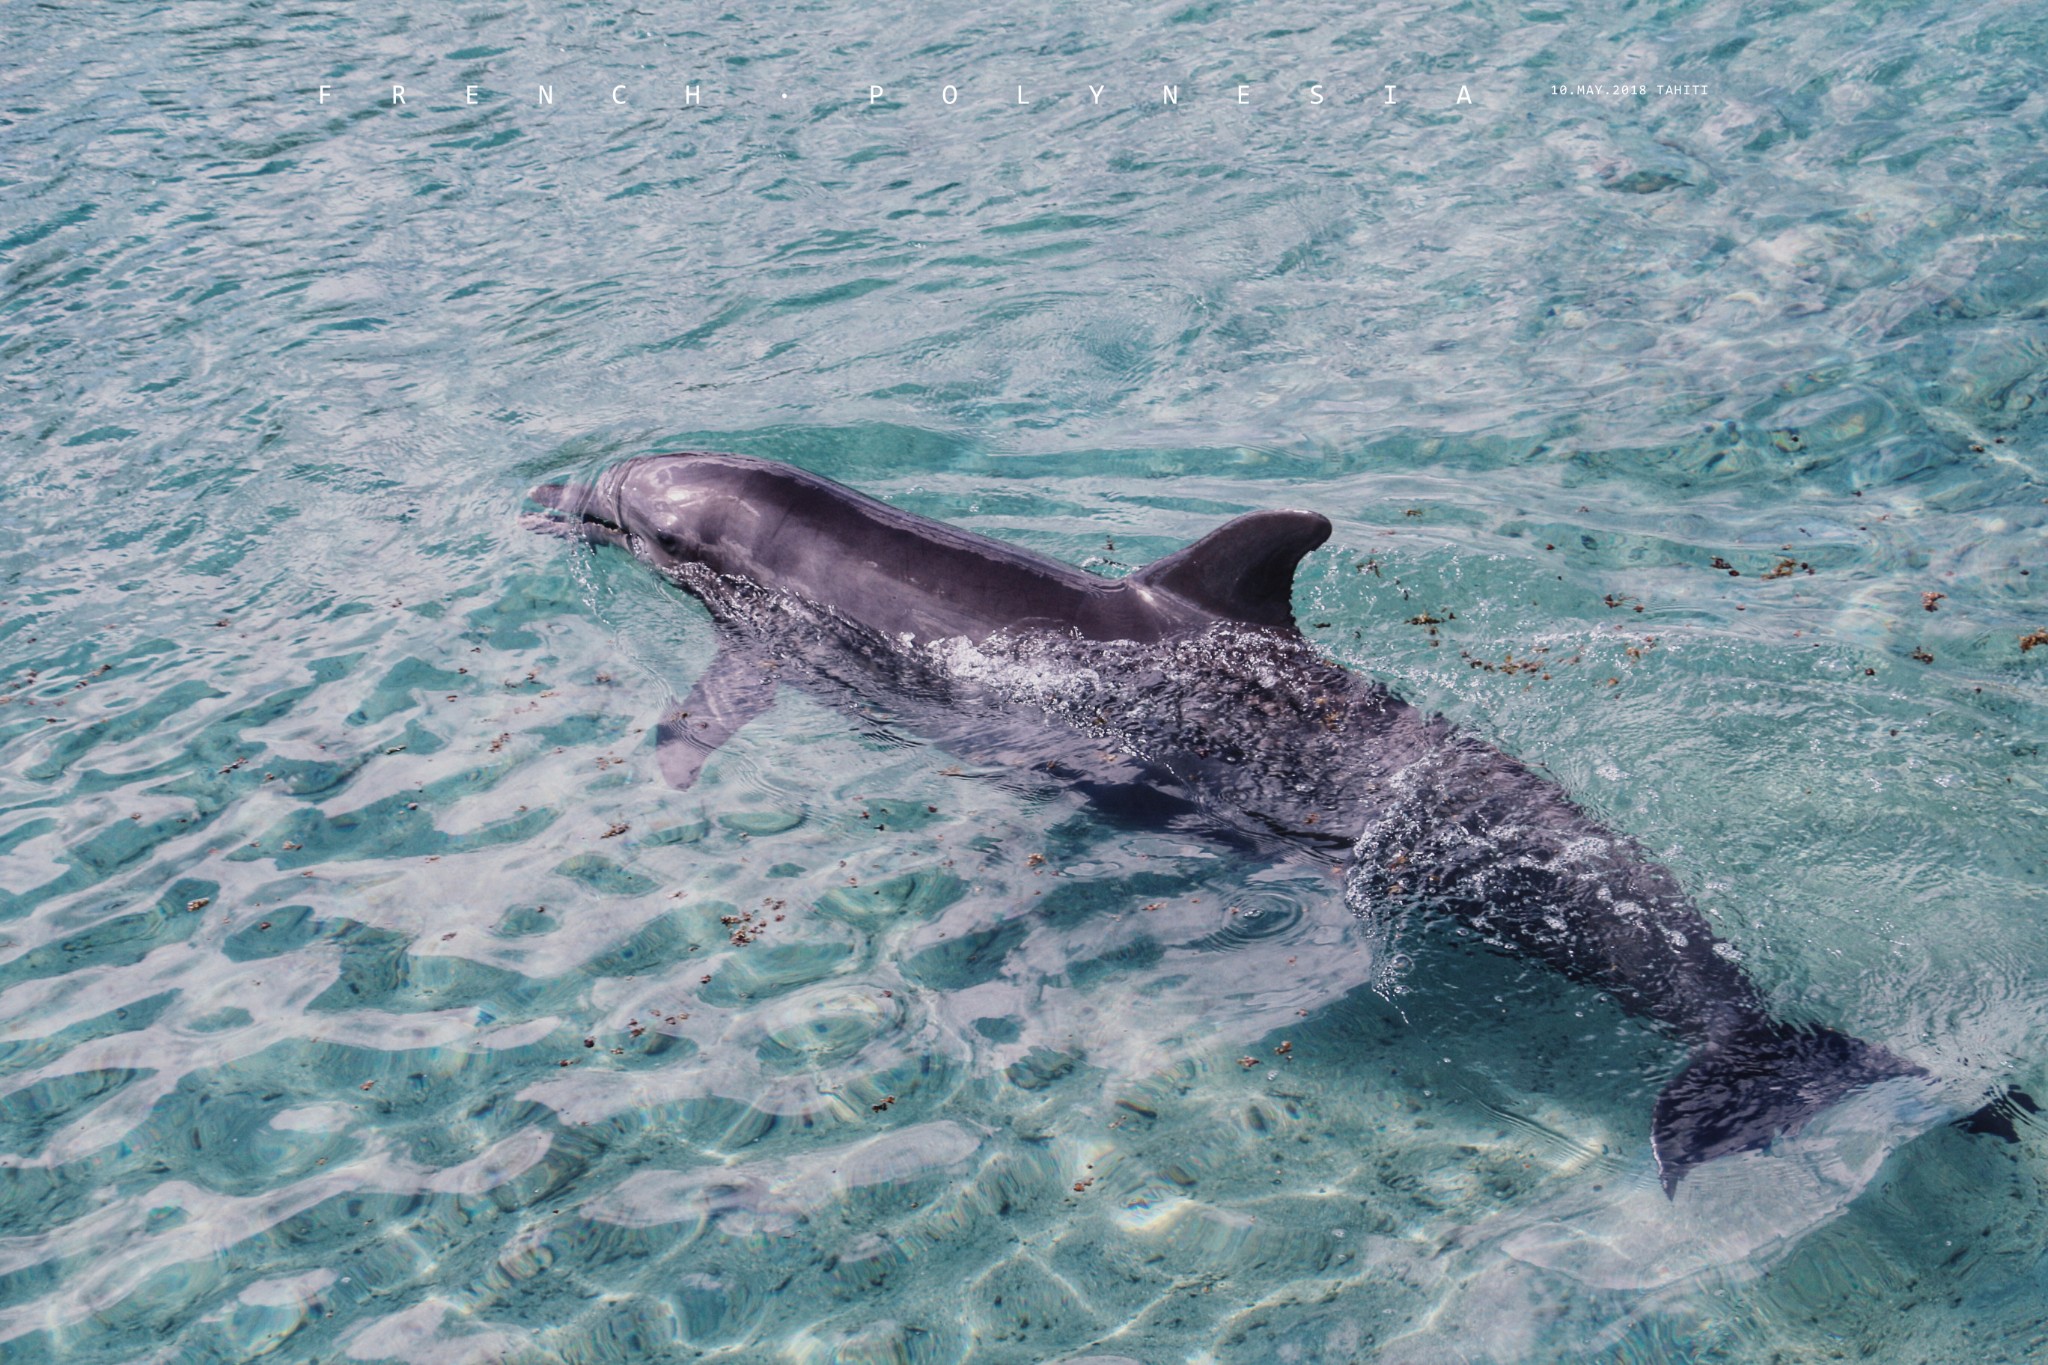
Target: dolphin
{"type": "Point", "coordinates": [1185, 692]}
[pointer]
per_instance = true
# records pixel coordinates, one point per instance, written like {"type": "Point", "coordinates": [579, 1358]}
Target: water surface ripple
{"type": "Point", "coordinates": [365, 995]}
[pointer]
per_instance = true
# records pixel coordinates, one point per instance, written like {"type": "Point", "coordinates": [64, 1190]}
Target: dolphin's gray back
{"type": "Point", "coordinates": [900, 574]}
{"type": "Point", "coordinates": [890, 570]}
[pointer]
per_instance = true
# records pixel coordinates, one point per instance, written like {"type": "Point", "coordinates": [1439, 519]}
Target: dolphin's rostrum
{"type": "Point", "coordinates": [1186, 690]}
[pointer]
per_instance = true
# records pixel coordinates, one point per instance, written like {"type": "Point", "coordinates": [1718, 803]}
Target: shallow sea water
{"type": "Point", "coordinates": [365, 995]}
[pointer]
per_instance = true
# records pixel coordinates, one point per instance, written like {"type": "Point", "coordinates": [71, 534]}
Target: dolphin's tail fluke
{"type": "Point", "coordinates": [1737, 1094]}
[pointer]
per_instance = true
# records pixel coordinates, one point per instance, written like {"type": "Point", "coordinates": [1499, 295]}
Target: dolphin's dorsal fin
{"type": "Point", "coordinates": [1244, 569]}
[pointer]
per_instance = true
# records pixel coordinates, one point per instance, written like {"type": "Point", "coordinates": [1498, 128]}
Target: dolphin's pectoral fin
{"type": "Point", "coordinates": [1137, 804]}
{"type": "Point", "coordinates": [1244, 569]}
{"type": "Point", "coordinates": [734, 690]}
{"type": "Point", "coordinates": [2001, 1118]}
{"type": "Point", "coordinates": [1737, 1095]}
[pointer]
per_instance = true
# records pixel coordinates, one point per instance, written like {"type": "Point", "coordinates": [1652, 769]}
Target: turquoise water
{"type": "Point", "coordinates": [365, 995]}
